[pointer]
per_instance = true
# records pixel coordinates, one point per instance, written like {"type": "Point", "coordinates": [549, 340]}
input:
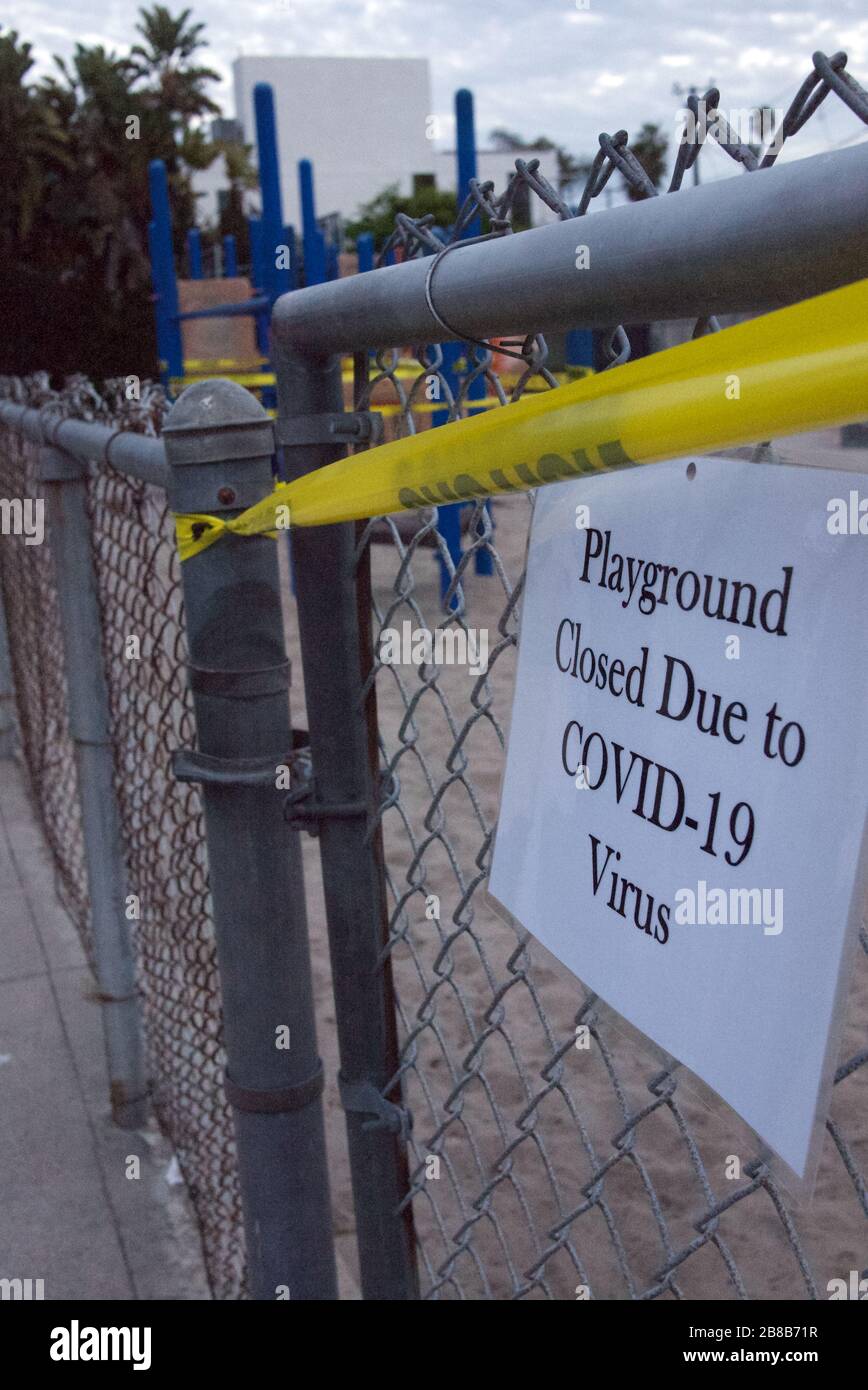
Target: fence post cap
{"type": "Point", "coordinates": [213, 404]}
{"type": "Point", "coordinates": [219, 446]}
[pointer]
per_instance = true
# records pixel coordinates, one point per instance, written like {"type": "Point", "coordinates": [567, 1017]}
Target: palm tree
{"type": "Point", "coordinates": [570, 168]}
{"type": "Point", "coordinates": [649, 147]}
{"type": "Point", "coordinates": [33, 145]}
{"type": "Point", "coordinates": [102, 210]}
{"type": "Point", "coordinates": [75, 206]}
{"type": "Point", "coordinates": [170, 42]}
{"type": "Point", "coordinates": [241, 176]}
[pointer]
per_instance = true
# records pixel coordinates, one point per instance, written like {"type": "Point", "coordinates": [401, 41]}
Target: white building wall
{"type": "Point", "coordinates": [360, 121]}
{"type": "Point", "coordinates": [207, 183]}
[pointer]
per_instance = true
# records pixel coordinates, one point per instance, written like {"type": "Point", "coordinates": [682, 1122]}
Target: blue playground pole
{"type": "Point", "coordinates": [254, 229]}
{"type": "Point", "coordinates": [163, 275]}
{"type": "Point", "coordinates": [258, 270]}
{"type": "Point", "coordinates": [230, 257]}
{"type": "Point", "coordinates": [194, 253]}
{"type": "Point", "coordinates": [276, 278]}
{"type": "Point", "coordinates": [465, 140]}
{"type": "Point", "coordinates": [312, 241]}
{"type": "Point", "coordinates": [289, 234]}
{"type": "Point", "coordinates": [160, 321]}
{"type": "Point", "coordinates": [321, 256]}
{"type": "Point", "coordinates": [259, 276]}
{"type": "Point", "coordinates": [449, 520]}
{"type": "Point", "coordinates": [580, 349]}
{"type": "Point", "coordinates": [365, 251]}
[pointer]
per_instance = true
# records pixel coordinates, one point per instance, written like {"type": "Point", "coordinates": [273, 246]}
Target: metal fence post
{"type": "Point", "coordinates": [7, 688]}
{"type": "Point", "coordinates": [335, 631]}
{"type": "Point", "coordinates": [219, 444]}
{"type": "Point", "coordinates": [65, 483]}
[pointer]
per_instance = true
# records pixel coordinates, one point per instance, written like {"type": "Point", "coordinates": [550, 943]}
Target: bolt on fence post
{"type": "Point", "coordinates": [219, 445]}
{"type": "Point", "coordinates": [7, 689]}
{"type": "Point", "coordinates": [334, 627]}
{"type": "Point", "coordinates": [65, 480]}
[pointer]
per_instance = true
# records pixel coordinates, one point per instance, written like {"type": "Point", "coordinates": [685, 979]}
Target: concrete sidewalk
{"type": "Point", "coordinates": [70, 1214]}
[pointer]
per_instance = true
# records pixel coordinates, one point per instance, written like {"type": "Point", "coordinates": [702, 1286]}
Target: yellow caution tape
{"type": "Point", "coordinates": [210, 365]}
{"type": "Point", "coordinates": [800, 368]}
{"type": "Point", "coordinates": [195, 531]}
{"type": "Point", "coordinates": [177, 383]}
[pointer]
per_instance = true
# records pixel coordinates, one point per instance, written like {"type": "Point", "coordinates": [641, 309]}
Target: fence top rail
{"type": "Point", "coordinates": [140, 455]}
{"type": "Point", "coordinates": [746, 244]}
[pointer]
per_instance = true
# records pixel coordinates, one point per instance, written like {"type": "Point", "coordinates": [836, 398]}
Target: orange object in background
{"type": "Point", "coordinates": [218, 339]}
{"type": "Point", "coordinates": [501, 364]}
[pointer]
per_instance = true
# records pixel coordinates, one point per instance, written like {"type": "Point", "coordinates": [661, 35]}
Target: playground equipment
{"type": "Point", "coordinates": [275, 269]}
{"type": "Point", "coordinates": [274, 266]}
{"type": "Point", "coordinates": [454, 354]}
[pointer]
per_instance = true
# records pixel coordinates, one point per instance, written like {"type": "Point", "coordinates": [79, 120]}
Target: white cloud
{"type": "Point", "coordinates": [539, 68]}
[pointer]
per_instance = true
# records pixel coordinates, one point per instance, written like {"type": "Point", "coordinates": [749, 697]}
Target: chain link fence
{"type": "Point", "coordinates": [555, 1166]}
{"type": "Point", "coordinates": [559, 1169]}
{"type": "Point", "coordinates": [537, 1168]}
{"type": "Point", "coordinates": [151, 714]}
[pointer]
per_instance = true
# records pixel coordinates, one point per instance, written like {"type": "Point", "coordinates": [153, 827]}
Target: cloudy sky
{"type": "Point", "coordinates": [535, 66]}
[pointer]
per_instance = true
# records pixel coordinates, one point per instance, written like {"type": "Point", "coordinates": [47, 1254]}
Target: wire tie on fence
{"type": "Point", "coordinates": [106, 453]}
{"type": "Point", "coordinates": [450, 328]}
{"type": "Point", "coordinates": [51, 417]}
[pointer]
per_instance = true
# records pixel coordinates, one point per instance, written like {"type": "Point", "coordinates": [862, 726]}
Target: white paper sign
{"type": "Point", "coordinates": [690, 719]}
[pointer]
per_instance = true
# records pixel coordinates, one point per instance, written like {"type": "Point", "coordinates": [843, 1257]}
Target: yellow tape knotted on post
{"type": "Point", "coordinates": [195, 531]}
{"type": "Point", "coordinates": [800, 368]}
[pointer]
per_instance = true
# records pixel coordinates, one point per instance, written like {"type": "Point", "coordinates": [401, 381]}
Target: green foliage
{"type": "Point", "coordinates": [241, 176]}
{"type": "Point", "coordinates": [74, 155]}
{"type": "Point", "coordinates": [571, 169]}
{"type": "Point", "coordinates": [33, 146]}
{"type": "Point", "coordinates": [649, 147]}
{"type": "Point", "coordinates": [378, 216]}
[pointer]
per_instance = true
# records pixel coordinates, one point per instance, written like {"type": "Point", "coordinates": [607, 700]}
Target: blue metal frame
{"type": "Point", "coordinates": [275, 278]}
{"type": "Point", "coordinates": [194, 253]}
{"type": "Point", "coordinates": [313, 242]}
{"type": "Point", "coordinates": [163, 274]}
{"type": "Point", "coordinates": [449, 518]}
{"type": "Point", "coordinates": [230, 257]}
{"type": "Point", "coordinates": [268, 236]}
{"type": "Point", "coordinates": [365, 251]}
